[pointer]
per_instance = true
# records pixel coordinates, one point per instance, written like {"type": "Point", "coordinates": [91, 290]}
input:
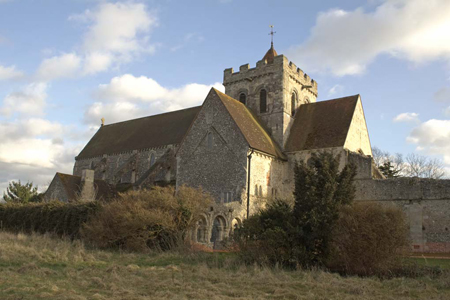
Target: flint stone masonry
{"type": "Point", "coordinates": [119, 167]}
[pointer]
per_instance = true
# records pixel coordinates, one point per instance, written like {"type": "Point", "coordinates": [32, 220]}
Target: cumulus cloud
{"type": "Point", "coordinates": [407, 117]}
{"type": "Point", "coordinates": [33, 149]}
{"type": "Point", "coordinates": [29, 101]}
{"type": "Point", "coordinates": [116, 33]}
{"type": "Point", "coordinates": [62, 66]}
{"type": "Point", "coordinates": [126, 97]}
{"type": "Point", "coordinates": [10, 73]}
{"type": "Point", "coordinates": [346, 42]}
{"type": "Point", "coordinates": [433, 136]}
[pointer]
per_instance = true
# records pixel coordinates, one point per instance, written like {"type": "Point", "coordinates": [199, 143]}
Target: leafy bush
{"type": "Point", "coordinates": [368, 239]}
{"type": "Point", "coordinates": [147, 219]}
{"type": "Point", "coordinates": [53, 217]}
{"type": "Point", "coordinates": [269, 236]}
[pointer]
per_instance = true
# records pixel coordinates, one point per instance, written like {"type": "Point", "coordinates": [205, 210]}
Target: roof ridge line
{"type": "Point", "coordinates": [165, 113]}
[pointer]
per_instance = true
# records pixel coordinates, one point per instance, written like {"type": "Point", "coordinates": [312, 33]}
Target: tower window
{"type": "Point", "coordinates": [293, 103]}
{"type": "Point", "coordinates": [243, 98]}
{"type": "Point", "coordinates": [263, 101]}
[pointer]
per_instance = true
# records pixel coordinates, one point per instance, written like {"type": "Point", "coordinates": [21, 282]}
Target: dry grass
{"type": "Point", "coordinates": [38, 267]}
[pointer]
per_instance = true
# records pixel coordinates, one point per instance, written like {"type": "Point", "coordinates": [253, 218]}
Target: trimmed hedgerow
{"type": "Point", "coordinates": [63, 219]}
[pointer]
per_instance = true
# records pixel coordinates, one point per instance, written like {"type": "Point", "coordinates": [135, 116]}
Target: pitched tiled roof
{"type": "Point", "coordinates": [323, 124]}
{"type": "Point", "coordinates": [153, 131]}
{"type": "Point", "coordinates": [72, 186]}
{"type": "Point", "coordinates": [250, 126]}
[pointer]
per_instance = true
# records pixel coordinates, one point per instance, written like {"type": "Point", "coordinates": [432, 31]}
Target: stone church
{"type": "Point", "coordinates": [241, 146]}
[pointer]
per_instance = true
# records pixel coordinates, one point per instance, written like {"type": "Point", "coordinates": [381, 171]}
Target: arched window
{"type": "Point", "coordinates": [293, 103]}
{"type": "Point", "coordinates": [263, 101]}
{"type": "Point", "coordinates": [243, 98]}
{"type": "Point", "coordinates": [210, 140]}
{"type": "Point", "coordinates": [256, 190]}
{"type": "Point", "coordinates": [201, 230]}
{"type": "Point", "coordinates": [91, 165]}
{"type": "Point", "coordinates": [152, 159]}
{"type": "Point", "coordinates": [260, 191]}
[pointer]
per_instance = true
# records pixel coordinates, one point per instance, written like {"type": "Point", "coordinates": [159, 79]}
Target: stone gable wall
{"type": "Point", "coordinates": [56, 191]}
{"type": "Point", "coordinates": [218, 169]}
{"type": "Point", "coordinates": [358, 135]}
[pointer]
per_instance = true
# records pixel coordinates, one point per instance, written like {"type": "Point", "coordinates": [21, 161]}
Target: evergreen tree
{"type": "Point", "coordinates": [388, 170]}
{"type": "Point", "coordinates": [16, 192]}
{"type": "Point", "coordinates": [320, 190]}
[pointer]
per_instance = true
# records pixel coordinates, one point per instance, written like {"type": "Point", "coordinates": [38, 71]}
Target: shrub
{"type": "Point", "coordinates": [268, 237]}
{"type": "Point", "coordinates": [300, 235]}
{"type": "Point", "coordinates": [368, 239]}
{"type": "Point", "coordinates": [63, 219]}
{"type": "Point", "coordinates": [147, 219]}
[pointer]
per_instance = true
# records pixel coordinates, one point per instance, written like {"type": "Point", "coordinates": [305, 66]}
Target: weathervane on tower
{"type": "Point", "coordinates": [271, 35]}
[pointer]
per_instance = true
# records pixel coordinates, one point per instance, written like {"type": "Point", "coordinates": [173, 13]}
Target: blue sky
{"type": "Point", "coordinates": [66, 64]}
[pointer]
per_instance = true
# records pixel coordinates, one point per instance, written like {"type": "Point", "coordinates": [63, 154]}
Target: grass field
{"type": "Point", "coordinates": [38, 267]}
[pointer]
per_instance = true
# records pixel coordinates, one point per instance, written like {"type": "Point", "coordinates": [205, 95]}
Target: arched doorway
{"type": "Point", "coordinates": [218, 230]}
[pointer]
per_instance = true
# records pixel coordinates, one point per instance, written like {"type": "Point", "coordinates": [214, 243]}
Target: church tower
{"type": "Point", "coordinates": [273, 90]}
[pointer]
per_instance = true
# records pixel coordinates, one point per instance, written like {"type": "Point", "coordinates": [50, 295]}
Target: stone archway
{"type": "Point", "coordinates": [236, 223]}
{"type": "Point", "coordinates": [218, 230]}
{"type": "Point", "coordinates": [201, 232]}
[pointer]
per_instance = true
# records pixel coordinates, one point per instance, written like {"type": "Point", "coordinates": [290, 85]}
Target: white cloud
{"type": "Point", "coordinates": [97, 62]}
{"type": "Point", "coordinates": [337, 89]}
{"type": "Point", "coordinates": [433, 136]}
{"type": "Point", "coordinates": [116, 33]}
{"type": "Point", "coordinates": [126, 97]}
{"type": "Point", "coordinates": [407, 117]}
{"type": "Point", "coordinates": [33, 150]}
{"type": "Point", "coordinates": [346, 42]}
{"type": "Point", "coordinates": [29, 101]}
{"type": "Point", "coordinates": [113, 112]}
{"type": "Point", "coordinates": [10, 73]}
{"type": "Point", "coordinates": [63, 66]}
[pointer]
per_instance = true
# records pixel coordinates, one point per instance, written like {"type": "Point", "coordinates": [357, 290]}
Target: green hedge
{"type": "Point", "coordinates": [63, 219]}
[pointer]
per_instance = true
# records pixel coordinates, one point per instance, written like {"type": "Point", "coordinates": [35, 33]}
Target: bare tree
{"type": "Point", "coordinates": [382, 158]}
{"type": "Point", "coordinates": [414, 165]}
{"type": "Point", "coordinates": [424, 167]}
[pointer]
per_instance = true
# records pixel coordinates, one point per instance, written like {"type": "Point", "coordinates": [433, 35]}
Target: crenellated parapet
{"type": "Point", "coordinates": [280, 65]}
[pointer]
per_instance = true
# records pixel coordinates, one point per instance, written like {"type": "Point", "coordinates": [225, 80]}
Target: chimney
{"type": "Point", "coordinates": [87, 185]}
